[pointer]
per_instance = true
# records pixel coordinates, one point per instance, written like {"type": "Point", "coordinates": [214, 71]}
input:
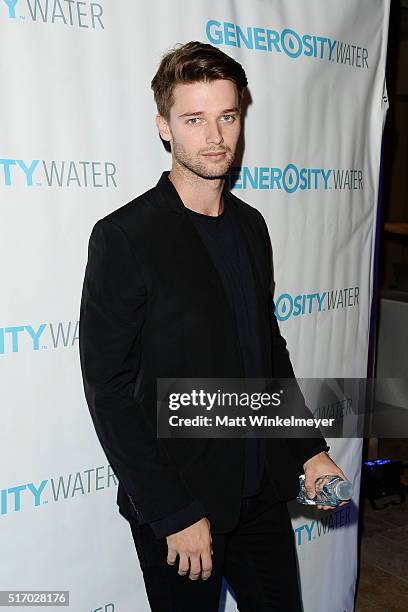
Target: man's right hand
{"type": "Point", "coordinates": [193, 545]}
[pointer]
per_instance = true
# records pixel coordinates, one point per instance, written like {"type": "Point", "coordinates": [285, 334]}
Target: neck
{"type": "Point", "coordinates": [197, 193]}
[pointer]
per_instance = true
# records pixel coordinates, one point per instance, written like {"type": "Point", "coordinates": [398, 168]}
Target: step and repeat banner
{"type": "Point", "coordinates": [78, 140]}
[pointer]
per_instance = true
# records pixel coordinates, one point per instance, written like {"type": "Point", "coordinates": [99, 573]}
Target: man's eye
{"type": "Point", "coordinates": [229, 118]}
{"type": "Point", "coordinates": [193, 120]}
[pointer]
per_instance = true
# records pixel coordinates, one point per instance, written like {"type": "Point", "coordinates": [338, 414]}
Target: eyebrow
{"type": "Point", "coordinates": [197, 113]}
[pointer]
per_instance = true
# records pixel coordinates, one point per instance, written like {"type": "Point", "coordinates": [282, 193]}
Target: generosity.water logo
{"type": "Point", "coordinates": [286, 41]}
{"type": "Point", "coordinates": [287, 305]}
{"type": "Point", "coordinates": [42, 173]}
{"type": "Point", "coordinates": [56, 489]}
{"type": "Point", "coordinates": [327, 524]}
{"type": "Point", "coordinates": [64, 12]}
{"type": "Point", "coordinates": [16, 338]}
{"type": "Point", "coordinates": [292, 178]}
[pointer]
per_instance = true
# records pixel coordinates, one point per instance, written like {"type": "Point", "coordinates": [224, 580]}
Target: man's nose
{"type": "Point", "coordinates": [214, 134]}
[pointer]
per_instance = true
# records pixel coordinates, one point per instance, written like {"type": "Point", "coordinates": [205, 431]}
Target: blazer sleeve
{"type": "Point", "coordinates": [112, 313]}
{"type": "Point", "coordinates": [178, 520]}
{"type": "Point", "coordinates": [302, 449]}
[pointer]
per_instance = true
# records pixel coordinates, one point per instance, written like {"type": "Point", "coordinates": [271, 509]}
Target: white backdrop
{"type": "Point", "coordinates": [78, 140]}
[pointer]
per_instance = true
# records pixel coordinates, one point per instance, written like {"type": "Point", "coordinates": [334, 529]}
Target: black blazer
{"type": "Point", "coordinates": [153, 305]}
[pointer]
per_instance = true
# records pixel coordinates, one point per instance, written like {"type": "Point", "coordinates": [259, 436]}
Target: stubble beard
{"type": "Point", "coordinates": [197, 165]}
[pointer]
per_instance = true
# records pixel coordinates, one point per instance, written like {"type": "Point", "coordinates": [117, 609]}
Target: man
{"type": "Point", "coordinates": [177, 285]}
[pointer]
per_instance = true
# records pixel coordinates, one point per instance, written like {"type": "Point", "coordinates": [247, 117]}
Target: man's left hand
{"type": "Point", "coordinates": [320, 465]}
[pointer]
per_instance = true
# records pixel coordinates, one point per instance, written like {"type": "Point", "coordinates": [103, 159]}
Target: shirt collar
{"type": "Point", "coordinates": [170, 195]}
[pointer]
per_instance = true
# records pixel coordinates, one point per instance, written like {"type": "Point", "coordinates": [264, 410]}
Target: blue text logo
{"type": "Point", "coordinates": [42, 173]}
{"type": "Point", "coordinates": [33, 495]}
{"type": "Point", "coordinates": [308, 532]}
{"type": "Point", "coordinates": [291, 178]}
{"type": "Point", "coordinates": [73, 13]}
{"type": "Point", "coordinates": [287, 42]}
{"type": "Point", "coordinates": [15, 338]}
{"type": "Point", "coordinates": [287, 305]}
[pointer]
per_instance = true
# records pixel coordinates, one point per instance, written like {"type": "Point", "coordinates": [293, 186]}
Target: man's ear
{"type": "Point", "coordinates": [163, 127]}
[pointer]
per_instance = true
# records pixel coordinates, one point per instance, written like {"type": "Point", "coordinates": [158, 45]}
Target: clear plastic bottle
{"type": "Point", "coordinates": [331, 490]}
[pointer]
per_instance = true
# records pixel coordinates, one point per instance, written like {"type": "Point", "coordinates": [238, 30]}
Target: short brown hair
{"type": "Point", "coordinates": [194, 61]}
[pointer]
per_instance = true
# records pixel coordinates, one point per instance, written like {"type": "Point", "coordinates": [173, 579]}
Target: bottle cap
{"type": "Point", "coordinates": [344, 489]}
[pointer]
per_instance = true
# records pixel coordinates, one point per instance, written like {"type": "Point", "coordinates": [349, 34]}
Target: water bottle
{"type": "Point", "coordinates": [331, 490]}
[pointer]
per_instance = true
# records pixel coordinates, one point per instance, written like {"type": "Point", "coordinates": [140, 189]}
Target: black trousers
{"type": "Point", "coordinates": [257, 559]}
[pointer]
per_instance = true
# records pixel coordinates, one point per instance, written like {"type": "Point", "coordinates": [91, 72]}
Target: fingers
{"type": "Point", "coordinates": [319, 507]}
{"type": "Point", "coordinates": [183, 564]}
{"type": "Point", "coordinates": [192, 564]}
{"type": "Point", "coordinates": [200, 566]}
{"type": "Point", "coordinates": [171, 556]}
{"type": "Point", "coordinates": [310, 488]}
{"type": "Point", "coordinates": [192, 545]}
{"type": "Point", "coordinates": [206, 563]}
{"type": "Point", "coordinates": [195, 567]}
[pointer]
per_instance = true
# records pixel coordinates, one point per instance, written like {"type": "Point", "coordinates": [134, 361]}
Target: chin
{"type": "Point", "coordinates": [213, 173]}
{"type": "Point", "coordinates": [210, 171]}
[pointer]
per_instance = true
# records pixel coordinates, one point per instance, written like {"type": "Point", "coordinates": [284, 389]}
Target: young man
{"type": "Point", "coordinates": [177, 285]}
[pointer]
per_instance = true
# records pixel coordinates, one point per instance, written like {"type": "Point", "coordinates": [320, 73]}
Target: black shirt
{"type": "Point", "coordinates": [222, 237]}
{"type": "Point", "coordinates": [225, 243]}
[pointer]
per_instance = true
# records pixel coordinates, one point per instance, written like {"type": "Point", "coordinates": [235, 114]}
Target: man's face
{"type": "Point", "coordinates": [204, 127]}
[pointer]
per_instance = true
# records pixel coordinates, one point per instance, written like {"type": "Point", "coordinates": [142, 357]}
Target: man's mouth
{"type": "Point", "coordinates": [214, 154]}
